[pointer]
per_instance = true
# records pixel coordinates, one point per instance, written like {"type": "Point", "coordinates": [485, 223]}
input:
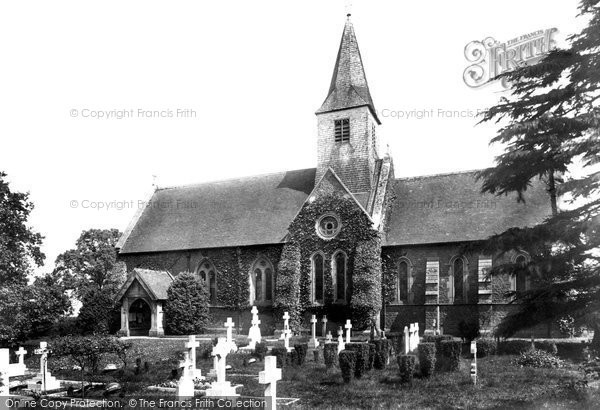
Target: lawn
{"type": "Point", "coordinates": [501, 384]}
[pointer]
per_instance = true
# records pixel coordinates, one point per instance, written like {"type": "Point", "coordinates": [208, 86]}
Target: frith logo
{"type": "Point", "coordinates": [489, 58]}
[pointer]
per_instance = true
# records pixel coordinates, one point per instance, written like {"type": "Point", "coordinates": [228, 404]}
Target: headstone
{"type": "Point", "coordinates": [406, 340]}
{"type": "Point", "coordinates": [191, 345]}
{"type": "Point", "coordinates": [341, 344]}
{"type": "Point", "coordinates": [287, 333]}
{"type": "Point", "coordinates": [4, 365]}
{"type": "Point", "coordinates": [313, 341]}
{"type": "Point", "coordinates": [185, 386]}
{"type": "Point", "coordinates": [324, 328]}
{"type": "Point", "coordinates": [229, 325]}
{"type": "Point", "coordinates": [416, 343]}
{"type": "Point", "coordinates": [474, 363]}
{"type": "Point", "coordinates": [254, 333]}
{"type": "Point", "coordinates": [221, 387]}
{"type": "Point", "coordinates": [44, 381]}
{"type": "Point", "coordinates": [21, 353]}
{"type": "Point", "coordinates": [270, 376]}
{"type": "Point", "coordinates": [348, 327]}
{"type": "Point", "coordinates": [329, 338]}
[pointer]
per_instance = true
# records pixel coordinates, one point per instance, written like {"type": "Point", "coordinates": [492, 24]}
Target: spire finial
{"type": "Point", "coordinates": [348, 8]}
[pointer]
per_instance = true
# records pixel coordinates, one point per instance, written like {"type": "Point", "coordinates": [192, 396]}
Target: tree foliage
{"type": "Point", "coordinates": [19, 245]}
{"type": "Point", "coordinates": [366, 296]}
{"type": "Point", "coordinates": [186, 310]}
{"type": "Point", "coordinates": [550, 131]}
{"type": "Point", "coordinates": [287, 287]}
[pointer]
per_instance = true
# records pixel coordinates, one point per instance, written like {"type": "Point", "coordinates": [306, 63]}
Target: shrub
{"type": "Point", "coordinates": [450, 355]}
{"type": "Point", "coordinates": [347, 364]}
{"type": "Point", "coordinates": [96, 313]}
{"type": "Point", "coordinates": [547, 346]}
{"type": "Point", "coordinates": [574, 350]}
{"type": "Point", "coordinates": [407, 365]}
{"type": "Point", "coordinates": [330, 355]}
{"type": "Point", "coordinates": [513, 346]}
{"type": "Point", "coordinates": [366, 285]}
{"type": "Point", "coordinates": [468, 330]}
{"type": "Point", "coordinates": [486, 347]}
{"type": "Point", "coordinates": [280, 352]}
{"type": "Point", "coordinates": [437, 339]}
{"type": "Point", "coordinates": [371, 356]}
{"type": "Point", "coordinates": [204, 351]}
{"type": "Point", "coordinates": [287, 286]}
{"type": "Point", "coordinates": [260, 350]}
{"type": "Point", "coordinates": [362, 357]}
{"type": "Point", "coordinates": [427, 358]}
{"type": "Point", "coordinates": [382, 347]}
{"type": "Point", "coordinates": [301, 350]}
{"type": "Point", "coordinates": [186, 309]}
{"type": "Point", "coordinates": [316, 356]}
{"type": "Point", "coordinates": [539, 359]}
{"type": "Point", "coordinates": [292, 358]}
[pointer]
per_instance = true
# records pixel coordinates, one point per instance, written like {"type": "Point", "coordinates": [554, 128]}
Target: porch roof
{"type": "Point", "coordinates": [155, 283]}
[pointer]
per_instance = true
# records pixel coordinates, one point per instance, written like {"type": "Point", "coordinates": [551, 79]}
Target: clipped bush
{"type": "Point", "coordinates": [574, 350]}
{"type": "Point", "coordinates": [371, 356]}
{"type": "Point", "coordinates": [450, 355]}
{"type": "Point", "coordinates": [407, 365]}
{"type": "Point", "coordinates": [382, 348]}
{"type": "Point", "coordinates": [538, 359]}
{"type": "Point", "coordinates": [280, 352]}
{"type": "Point", "coordinates": [362, 357]}
{"type": "Point", "coordinates": [427, 358]}
{"type": "Point", "coordinates": [330, 355]}
{"type": "Point", "coordinates": [347, 364]}
{"type": "Point", "coordinates": [186, 309]}
{"type": "Point", "coordinates": [260, 351]}
{"type": "Point", "coordinates": [316, 356]}
{"type": "Point", "coordinates": [287, 286]}
{"type": "Point", "coordinates": [292, 358]}
{"type": "Point", "coordinates": [513, 346]}
{"type": "Point", "coordinates": [301, 349]}
{"type": "Point", "coordinates": [366, 283]}
{"type": "Point", "coordinates": [485, 347]}
{"type": "Point", "coordinates": [547, 346]}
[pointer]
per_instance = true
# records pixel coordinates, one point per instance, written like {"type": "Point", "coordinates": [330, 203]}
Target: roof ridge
{"type": "Point", "coordinates": [443, 174]}
{"type": "Point", "coordinates": [195, 184]}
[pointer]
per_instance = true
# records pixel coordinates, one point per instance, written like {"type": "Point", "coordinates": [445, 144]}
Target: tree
{"type": "Point", "coordinates": [287, 287]}
{"type": "Point", "coordinates": [19, 245]}
{"type": "Point", "coordinates": [186, 309]}
{"type": "Point", "coordinates": [550, 130]}
{"type": "Point", "coordinates": [97, 313]}
{"type": "Point", "coordinates": [366, 284]}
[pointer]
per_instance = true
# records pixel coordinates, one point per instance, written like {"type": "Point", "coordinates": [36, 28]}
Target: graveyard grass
{"type": "Point", "coordinates": [502, 384]}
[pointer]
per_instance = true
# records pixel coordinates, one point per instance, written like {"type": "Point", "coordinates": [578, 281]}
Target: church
{"type": "Point", "coordinates": [237, 235]}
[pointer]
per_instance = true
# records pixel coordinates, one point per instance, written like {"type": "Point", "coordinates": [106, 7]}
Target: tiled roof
{"type": "Point", "coordinates": [237, 212]}
{"type": "Point", "coordinates": [451, 208]}
{"type": "Point", "coordinates": [155, 282]}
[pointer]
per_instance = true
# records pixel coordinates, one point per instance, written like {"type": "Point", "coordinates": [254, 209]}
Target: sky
{"type": "Point", "coordinates": [236, 85]}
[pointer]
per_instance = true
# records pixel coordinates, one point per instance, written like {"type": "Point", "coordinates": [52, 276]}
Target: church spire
{"type": "Point", "coordinates": [349, 87]}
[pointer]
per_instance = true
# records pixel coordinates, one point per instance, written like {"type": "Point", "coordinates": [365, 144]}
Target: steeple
{"type": "Point", "coordinates": [349, 87]}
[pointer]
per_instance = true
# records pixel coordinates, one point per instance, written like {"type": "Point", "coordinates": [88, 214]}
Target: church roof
{"type": "Point", "coordinates": [237, 212]}
{"type": "Point", "coordinates": [451, 208]}
{"type": "Point", "coordinates": [155, 282]}
{"type": "Point", "coordinates": [349, 87]}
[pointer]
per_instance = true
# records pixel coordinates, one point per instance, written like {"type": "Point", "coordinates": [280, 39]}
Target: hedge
{"type": "Point", "coordinates": [280, 352]}
{"type": "Point", "coordinates": [450, 355]}
{"type": "Point", "coordinates": [330, 355]}
{"type": "Point", "coordinates": [301, 349]}
{"type": "Point", "coordinates": [407, 365]}
{"type": "Point", "coordinates": [362, 357]}
{"type": "Point", "coordinates": [371, 356]}
{"type": "Point", "coordinates": [485, 347]}
{"type": "Point", "coordinates": [382, 348]}
{"type": "Point", "coordinates": [347, 364]}
{"type": "Point", "coordinates": [427, 358]}
{"type": "Point", "coordinates": [260, 350]}
{"type": "Point", "coordinates": [513, 346]}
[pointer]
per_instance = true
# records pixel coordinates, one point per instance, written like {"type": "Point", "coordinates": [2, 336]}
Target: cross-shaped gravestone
{"type": "Point", "coordinates": [313, 341]}
{"type": "Point", "coordinates": [43, 352]}
{"type": "Point", "coordinates": [341, 344]}
{"type": "Point", "coordinates": [406, 340]}
{"type": "Point", "coordinates": [254, 333]}
{"type": "Point", "coordinates": [270, 376]}
{"type": "Point", "coordinates": [4, 367]}
{"type": "Point", "coordinates": [45, 379]}
{"type": "Point", "coordinates": [286, 320]}
{"type": "Point", "coordinates": [329, 337]}
{"type": "Point", "coordinates": [185, 386]}
{"type": "Point", "coordinates": [191, 345]}
{"type": "Point", "coordinates": [21, 353]}
{"type": "Point", "coordinates": [416, 336]}
{"type": "Point", "coordinates": [324, 328]}
{"type": "Point", "coordinates": [229, 325]}
{"type": "Point", "coordinates": [221, 387]}
{"type": "Point", "coordinates": [286, 334]}
{"type": "Point", "coordinates": [348, 327]}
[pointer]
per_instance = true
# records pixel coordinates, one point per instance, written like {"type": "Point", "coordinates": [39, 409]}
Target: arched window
{"type": "Point", "coordinates": [519, 281]}
{"type": "Point", "coordinates": [403, 282]}
{"type": "Point", "coordinates": [262, 281]}
{"type": "Point", "coordinates": [458, 284]}
{"type": "Point", "coordinates": [318, 269]}
{"type": "Point", "coordinates": [207, 272]}
{"type": "Point", "coordinates": [339, 276]}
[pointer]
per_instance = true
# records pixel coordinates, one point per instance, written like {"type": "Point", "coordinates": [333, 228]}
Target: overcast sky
{"type": "Point", "coordinates": [253, 72]}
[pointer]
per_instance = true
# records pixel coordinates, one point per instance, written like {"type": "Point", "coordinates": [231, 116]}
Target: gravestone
{"type": "Point", "coordinates": [43, 381]}
{"type": "Point", "coordinates": [185, 386]}
{"type": "Point", "coordinates": [229, 325]}
{"type": "Point", "coordinates": [324, 328]}
{"type": "Point", "coordinates": [191, 345]}
{"type": "Point", "coordinates": [287, 333]}
{"type": "Point", "coordinates": [341, 344]}
{"type": "Point", "coordinates": [270, 376]}
{"type": "Point", "coordinates": [4, 365]}
{"type": "Point", "coordinates": [348, 327]}
{"type": "Point", "coordinates": [20, 367]}
{"type": "Point", "coordinates": [406, 340]}
{"type": "Point", "coordinates": [329, 338]}
{"type": "Point", "coordinates": [221, 387]}
{"type": "Point", "coordinates": [254, 333]}
{"type": "Point", "coordinates": [314, 343]}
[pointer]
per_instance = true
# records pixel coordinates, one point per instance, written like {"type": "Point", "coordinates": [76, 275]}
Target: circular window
{"type": "Point", "coordinates": [328, 226]}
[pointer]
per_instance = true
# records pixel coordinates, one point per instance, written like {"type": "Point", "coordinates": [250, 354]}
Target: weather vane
{"type": "Point", "coordinates": [348, 8]}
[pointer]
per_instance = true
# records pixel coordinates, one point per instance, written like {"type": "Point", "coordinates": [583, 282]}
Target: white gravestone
{"type": "Point", "coordinates": [474, 362]}
{"type": "Point", "coordinates": [324, 328]}
{"type": "Point", "coordinates": [270, 376]}
{"type": "Point", "coordinates": [341, 344]}
{"type": "Point", "coordinates": [21, 365]}
{"type": "Point", "coordinates": [314, 343]}
{"type": "Point", "coordinates": [221, 387]}
{"type": "Point", "coordinates": [287, 333]}
{"type": "Point", "coordinates": [416, 336]}
{"type": "Point", "coordinates": [229, 325]}
{"type": "Point", "coordinates": [329, 338]}
{"type": "Point", "coordinates": [254, 333]}
{"type": "Point", "coordinates": [191, 345]}
{"type": "Point", "coordinates": [348, 327]}
{"type": "Point", "coordinates": [4, 365]}
{"type": "Point", "coordinates": [406, 340]}
{"type": "Point", "coordinates": [44, 381]}
{"type": "Point", "coordinates": [185, 386]}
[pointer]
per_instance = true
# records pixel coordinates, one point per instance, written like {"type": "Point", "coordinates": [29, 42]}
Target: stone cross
{"type": "Point", "coordinates": [341, 344]}
{"type": "Point", "coordinates": [416, 336]}
{"type": "Point", "coordinates": [270, 376]}
{"type": "Point", "coordinates": [21, 353]}
{"type": "Point", "coordinates": [313, 341]}
{"type": "Point", "coordinates": [286, 334]}
{"type": "Point", "coordinates": [324, 328]}
{"type": "Point", "coordinates": [185, 386]}
{"type": "Point", "coordinates": [229, 325]}
{"type": "Point", "coordinates": [47, 381]}
{"type": "Point", "coordinates": [43, 351]}
{"type": "Point", "coordinates": [348, 326]}
{"type": "Point", "coordinates": [191, 345]}
{"type": "Point", "coordinates": [286, 320]}
{"type": "Point", "coordinates": [254, 333]}
{"type": "Point", "coordinates": [4, 366]}
{"type": "Point", "coordinates": [221, 387]}
{"type": "Point", "coordinates": [406, 340]}
{"type": "Point", "coordinates": [329, 337]}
